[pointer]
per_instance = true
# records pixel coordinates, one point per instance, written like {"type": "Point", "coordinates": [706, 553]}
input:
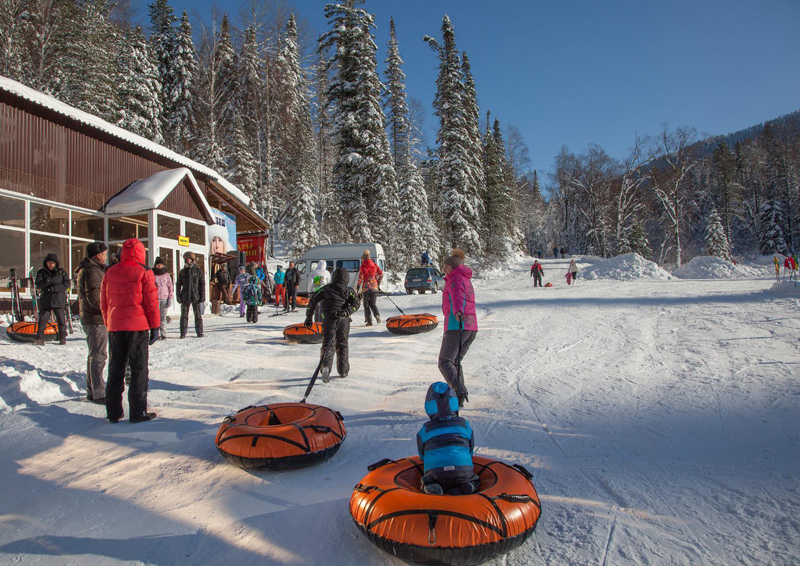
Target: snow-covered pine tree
{"type": "Point", "coordinates": [12, 38]}
{"type": "Point", "coordinates": [414, 224]}
{"type": "Point", "coordinates": [139, 107]}
{"type": "Point", "coordinates": [771, 238]}
{"type": "Point", "coordinates": [245, 165]}
{"type": "Point", "coordinates": [728, 191]}
{"type": "Point", "coordinates": [636, 241]}
{"type": "Point", "coordinates": [251, 83]}
{"type": "Point", "coordinates": [460, 219]}
{"type": "Point", "coordinates": [88, 37]}
{"type": "Point", "coordinates": [330, 222]}
{"type": "Point", "coordinates": [474, 192]}
{"type": "Point", "coordinates": [716, 240]}
{"type": "Point", "coordinates": [164, 41]}
{"type": "Point", "coordinates": [179, 127]}
{"type": "Point", "coordinates": [296, 150]}
{"type": "Point", "coordinates": [499, 218]}
{"type": "Point", "coordinates": [216, 100]}
{"type": "Point", "coordinates": [363, 175]}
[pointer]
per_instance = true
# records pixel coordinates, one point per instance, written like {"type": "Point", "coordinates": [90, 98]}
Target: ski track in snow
{"type": "Point", "coordinates": [659, 418]}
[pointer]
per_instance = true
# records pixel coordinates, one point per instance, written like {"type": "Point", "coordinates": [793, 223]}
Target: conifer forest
{"type": "Point", "coordinates": [323, 136]}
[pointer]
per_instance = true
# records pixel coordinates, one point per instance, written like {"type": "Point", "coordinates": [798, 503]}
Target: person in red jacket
{"type": "Point", "coordinates": [536, 272]}
{"type": "Point", "coordinates": [369, 283]}
{"type": "Point", "coordinates": [129, 303]}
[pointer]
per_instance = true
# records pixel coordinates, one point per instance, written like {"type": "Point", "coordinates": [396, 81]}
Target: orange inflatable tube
{"type": "Point", "coordinates": [412, 323]}
{"type": "Point", "coordinates": [389, 507]}
{"type": "Point", "coordinates": [302, 335]}
{"type": "Point", "coordinates": [302, 301]}
{"type": "Point", "coordinates": [280, 436]}
{"type": "Point", "coordinates": [26, 331]}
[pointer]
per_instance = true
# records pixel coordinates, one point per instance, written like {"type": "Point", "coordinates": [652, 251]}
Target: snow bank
{"type": "Point", "coordinates": [785, 289]}
{"type": "Point", "coordinates": [711, 267]}
{"type": "Point", "coordinates": [23, 386]}
{"type": "Point", "coordinates": [626, 267]}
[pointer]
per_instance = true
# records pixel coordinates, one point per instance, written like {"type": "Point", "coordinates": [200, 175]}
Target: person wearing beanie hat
{"type": "Point", "coordinates": [191, 292]}
{"type": "Point", "coordinates": [165, 293]}
{"type": "Point", "coordinates": [52, 282]}
{"type": "Point", "coordinates": [240, 283]}
{"type": "Point", "coordinates": [445, 445]}
{"type": "Point", "coordinates": [370, 276]}
{"type": "Point", "coordinates": [90, 274]}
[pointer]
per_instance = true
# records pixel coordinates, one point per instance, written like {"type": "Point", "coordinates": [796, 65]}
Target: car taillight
{"type": "Point", "coordinates": [429, 279]}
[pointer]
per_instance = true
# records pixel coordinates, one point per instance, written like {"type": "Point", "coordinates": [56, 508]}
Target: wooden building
{"type": "Point", "coordinates": [68, 178]}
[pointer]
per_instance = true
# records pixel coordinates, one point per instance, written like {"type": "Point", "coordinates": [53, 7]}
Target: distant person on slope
{"type": "Point", "coordinates": [369, 283]}
{"type": "Point", "coordinates": [338, 302]}
{"type": "Point", "coordinates": [425, 260]}
{"type": "Point", "coordinates": [460, 323]}
{"type": "Point", "coordinates": [573, 269]}
{"type": "Point", "coordinates": [280, 275]}
{"type": "Point", "coordinates": [318, 278]}
{"type": "Point", "coordinates": [445, 444]}
{"type": "Point", "coordinates": [536, 272]}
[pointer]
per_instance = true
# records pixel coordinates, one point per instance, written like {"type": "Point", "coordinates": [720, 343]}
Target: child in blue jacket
{"type": "Point", "coordinates": [445, 444]}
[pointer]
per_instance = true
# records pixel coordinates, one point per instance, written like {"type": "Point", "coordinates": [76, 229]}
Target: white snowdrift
{"type": "Point", "coordinates": [785, 289]}
{"type": "Point", "coordinates": [711, 267]}
{"type": "Point", "coordinates": [626, 267]}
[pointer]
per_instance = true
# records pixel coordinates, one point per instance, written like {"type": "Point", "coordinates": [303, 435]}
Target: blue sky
{"type": "Point", "coordinates": [574, 72]}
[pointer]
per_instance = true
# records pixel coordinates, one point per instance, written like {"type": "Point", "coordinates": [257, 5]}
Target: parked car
{"type": "Point", "coordinates": [423, 279]}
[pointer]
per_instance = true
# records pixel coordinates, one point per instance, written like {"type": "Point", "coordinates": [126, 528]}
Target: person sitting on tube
{"type": "Point", "coordinates": [445, 444]}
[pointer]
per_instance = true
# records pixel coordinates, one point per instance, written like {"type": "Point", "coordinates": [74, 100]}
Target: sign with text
{"type": "Point", "coordinates": [254, 247]}
{"type": "Point", "coordinates": [183, 241]}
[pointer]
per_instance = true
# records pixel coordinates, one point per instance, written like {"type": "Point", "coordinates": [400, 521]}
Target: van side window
{"type": "Point", "coordinates": [348, 264]}
{"type": "Point", "coordinates": [381, 265]}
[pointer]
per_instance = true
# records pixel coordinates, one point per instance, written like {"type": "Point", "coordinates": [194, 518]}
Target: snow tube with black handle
{"type": "Point", "coordinates": [412, 323]}
{"type": "Point", "coordinates": [280, 436]}
{"type": "Point", "coordinates": [26, 331]}
{"type": "Point", "coordinates": [389, 507]}
{"type": "Point", "coordinates": [301, 335]}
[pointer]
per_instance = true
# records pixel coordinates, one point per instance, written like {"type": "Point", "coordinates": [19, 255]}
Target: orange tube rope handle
{"type": "Point", "coordinates": [412, 323]}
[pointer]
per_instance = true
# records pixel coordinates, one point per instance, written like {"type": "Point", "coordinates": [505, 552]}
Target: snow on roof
{"type": "Point", "coordinates": [149, 193]}
{"type": "Point", "coordinates": [97, 123]}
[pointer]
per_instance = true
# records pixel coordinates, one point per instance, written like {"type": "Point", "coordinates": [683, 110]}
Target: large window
{"type": "Point", "coordinates": [87, 226]}
{"type": "Point", "coordinates": [196, 233]}
{"type": "Point", "coordinates": [12, 212]}
{"type": "Point", "coordinates": [127, 227]}
{"type": "Point", "coordinates": [41, 245]}
{"type": "Point", "coordinates": [167, 256]}
{"type": "Point", "coordinates": [46, 218]}
{"type": "Point", "coordinates": [12, 252]}
{"type": "Point", "coordinates": [168, 227]}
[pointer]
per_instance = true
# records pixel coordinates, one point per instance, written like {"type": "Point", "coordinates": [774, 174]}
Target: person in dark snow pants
{"type": "Point", "coordinates": [536, 272]}
{"type": "Point", "coordinates": [445, 444]}
{"type": "Point", "coordinates": [90, 274]}
{"type": "Point", "coordinates": [52, 282]}
{"type": "Point", "coordinates": [252, 294]}
{"type": "Point", "coordinates": [339, 302]}
{"type": "Point", "coordinates": [460, 323]}
{"type": "Point", "coordinates": [191, 293]}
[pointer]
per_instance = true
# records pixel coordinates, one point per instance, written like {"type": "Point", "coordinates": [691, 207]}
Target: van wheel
{"type": "Point", "coordinates": [435, 288]}
{"type": "Point", "coordinates": [422, 291]}
{"type": "Point", "coordinates": [410, 291]}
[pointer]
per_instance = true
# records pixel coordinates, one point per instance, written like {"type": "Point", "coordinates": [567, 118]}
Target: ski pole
{"type": "Point", "coordinates": [313, 380]}
{"type": "Point", "coordinates": [395, 305]}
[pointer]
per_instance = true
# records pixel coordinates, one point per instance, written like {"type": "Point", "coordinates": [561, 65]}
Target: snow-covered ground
{"type": "Point", "coordinates": [661, 419]}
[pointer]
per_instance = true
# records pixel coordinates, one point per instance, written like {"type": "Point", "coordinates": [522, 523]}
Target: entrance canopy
{"type": "Point", "coordinates": [149, 193]}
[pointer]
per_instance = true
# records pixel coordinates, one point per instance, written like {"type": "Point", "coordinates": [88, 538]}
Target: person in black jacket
{"type": "Point", "coordinates": [338, 302]}
{"type": "Point", "coordinates": [90, 277]}
{"type": "Point", "coordinates": [291, 282]}
{"type": "Point", "coordinates": [191, 291]}
{"type": "Point", "coordinates": [52, 283]}
{"type": "Point", "coordinates": [223, 280]}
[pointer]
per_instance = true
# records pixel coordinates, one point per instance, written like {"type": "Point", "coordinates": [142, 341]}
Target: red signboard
{"type": "Point", "coordinates": [254, 247]}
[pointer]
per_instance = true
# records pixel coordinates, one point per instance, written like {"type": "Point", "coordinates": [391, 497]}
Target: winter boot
{"type": "Point", "coordinates": [144, 418]}
{"type": "Point", "coordinates": [326, 374]}
{"type": "Point", "coordinates": [432, 489]}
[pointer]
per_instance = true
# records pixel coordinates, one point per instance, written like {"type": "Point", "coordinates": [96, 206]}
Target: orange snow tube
{"type": "Point", "coordinates": [412, 323]}
{"type": "Point", "coordinates": [280, 436]}
{"type": "Point", "coordinates": [302, 335]}
{"type": "Point", "coordinates": [26, 331]}
{"type": "Point", "coordinates": [302, 301]}
{"type": "Point", "coordinates": [391, 510]}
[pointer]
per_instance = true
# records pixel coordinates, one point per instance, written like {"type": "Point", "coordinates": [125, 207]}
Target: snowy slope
{"type": "Point", "coordinates": [710, 267]}
{"type": "Point", "coordinates": [660, 418]}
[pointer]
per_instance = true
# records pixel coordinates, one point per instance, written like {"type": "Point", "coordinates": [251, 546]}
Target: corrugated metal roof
{"type": "Point", "coordinates": [46, 101]}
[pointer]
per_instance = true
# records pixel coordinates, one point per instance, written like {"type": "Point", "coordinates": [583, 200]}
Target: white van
{"type": "Point", "coordinates": [338, 255]}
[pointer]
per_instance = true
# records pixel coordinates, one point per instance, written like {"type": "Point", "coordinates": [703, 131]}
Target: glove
{"type": "Point", "coordinates": [308, 322]}
{"type": "Point", "coordinates": [153, 336]}
{"type": "Point", "coordinates": [459, 316]}
{"type": "Point", "coordinates": [342, 314]}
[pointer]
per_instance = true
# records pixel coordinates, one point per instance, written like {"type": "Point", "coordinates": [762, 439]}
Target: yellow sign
{"type": "Point", "coordinates": [183, 240]}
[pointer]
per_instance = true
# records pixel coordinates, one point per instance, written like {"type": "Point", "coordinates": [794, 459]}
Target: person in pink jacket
{"type": "Point", "coordinates": [460, 323]}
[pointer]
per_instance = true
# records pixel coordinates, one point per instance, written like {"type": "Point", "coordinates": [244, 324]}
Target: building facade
{"type": "Point", "coordinates": [68, 178]}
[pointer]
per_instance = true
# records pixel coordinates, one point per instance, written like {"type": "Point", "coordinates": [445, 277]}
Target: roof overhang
{"type": "Point", "coordinates": [149, 193]}
{"type": "Point", "coordinates": [247, 219]}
